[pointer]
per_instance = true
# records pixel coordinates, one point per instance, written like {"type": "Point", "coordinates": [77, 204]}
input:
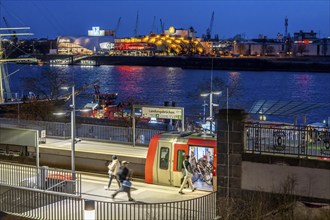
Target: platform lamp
{"type": "Point", "coordinates": [73, 130]}
{"type": "Point", "coordinates": [211, 104]}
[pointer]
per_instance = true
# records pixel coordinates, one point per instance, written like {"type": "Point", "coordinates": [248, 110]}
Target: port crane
{"type": "Point", "coordinates": [162, 26]}
{"type": "Point", "coordinates": [117, 28]}
{"type": "Point", "coordinates": [153, 25]}
{"type": "Point", "coordinates": [209, 29]}
{"type": "Point", "coordinates": [136, 25]}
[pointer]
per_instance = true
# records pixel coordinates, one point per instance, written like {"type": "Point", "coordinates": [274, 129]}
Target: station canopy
{"type": "Point", "coordinates": [284, 108]}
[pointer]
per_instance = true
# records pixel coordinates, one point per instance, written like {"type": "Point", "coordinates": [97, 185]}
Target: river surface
{"type": "Point", "coordinates": [154, 85]}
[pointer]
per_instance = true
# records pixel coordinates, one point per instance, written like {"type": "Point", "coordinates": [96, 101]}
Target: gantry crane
{"type": "Point", "coordinates": [153, 25]}
{"type": "Point", "coordinates": [209, 29]}
{"type": "Point", "coordinates": [161, 26]}
{"type": "Point", "coordinates": [117, 28]}
{"type": "Point", "coordinates": [136, 25]}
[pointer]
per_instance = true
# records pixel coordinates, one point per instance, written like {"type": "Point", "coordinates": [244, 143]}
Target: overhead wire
{"type": "Point", "coordinates": [49, 16]}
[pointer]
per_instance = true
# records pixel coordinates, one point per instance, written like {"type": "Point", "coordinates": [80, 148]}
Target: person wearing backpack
{"type": "Point", "coordinates": [113, 170]}
{"type": "Point", "coordinates": [124, 178]}
{"type": "Point", "coordinates": [187, 175]}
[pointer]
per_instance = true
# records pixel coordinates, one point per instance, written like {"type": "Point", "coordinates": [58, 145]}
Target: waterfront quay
{"type": "Point", "coordinates": [301, 64]}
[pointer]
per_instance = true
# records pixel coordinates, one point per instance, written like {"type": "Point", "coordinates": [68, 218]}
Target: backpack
{"type": "Point", "coordinates": [121, 175]}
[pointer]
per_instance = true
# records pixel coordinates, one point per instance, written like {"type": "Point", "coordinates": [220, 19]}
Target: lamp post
{"type": "Point", "coordinates": [73, 135]}
{"type": "Point", "coordinates": [211, 104]}
{"type": "Point", "coordinates": [74, 140]}
{"type": "Point", "coordinates": [73, 131]}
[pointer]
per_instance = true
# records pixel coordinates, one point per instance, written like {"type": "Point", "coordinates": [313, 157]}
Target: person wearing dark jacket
{"type": "Point", "coordinates": [188, 175]}
{"type": "Point", "coordinates": [123, 176]}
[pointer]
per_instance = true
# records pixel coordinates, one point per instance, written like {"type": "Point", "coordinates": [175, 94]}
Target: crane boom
{"type": "Point", "coordinates": [6, 23]}
{"type": "Point", "coordinates": [161, 26]}
{"type": "Point", "coordinates": [209, 29]}
{"type": "Point", "coordinates": [153, 25]}
{"type": "Point", "coordinates": [117, 27]}
{"type": "Point", "coordinates": [136, 25]}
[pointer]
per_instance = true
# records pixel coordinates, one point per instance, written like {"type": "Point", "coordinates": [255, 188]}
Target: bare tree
{"type": "Point", "coordinates": [44, 100]}
{"type": "Point", "coordinates": [241, 48]}
{"type": "Point", "coordinates": [270, 50]}
{"type": "Point", "coordinates": [324, 46]}
{"type": "Point", "coordinates": [46, 84]}
{"type": "Point", "coordinates": [301, 49]}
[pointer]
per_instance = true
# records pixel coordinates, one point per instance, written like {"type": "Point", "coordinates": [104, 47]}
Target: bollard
{"type": "Point", "coordinates": [89, 211]}
{"type": "Point", "coordinates": [43, 177]}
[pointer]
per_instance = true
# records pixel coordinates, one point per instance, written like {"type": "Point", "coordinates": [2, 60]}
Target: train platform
{"type": "Point", "coordinates": [94, 188]}
{"type": "Point", "coordinates": [94, 184]}
{"type": "Point", "coordinates": [104, 148]}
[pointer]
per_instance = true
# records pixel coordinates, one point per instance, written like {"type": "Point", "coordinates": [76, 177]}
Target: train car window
{"type": "Point", "coordinates": [179, 163]}
{"type": "Point", "coordinates": [164, 155]}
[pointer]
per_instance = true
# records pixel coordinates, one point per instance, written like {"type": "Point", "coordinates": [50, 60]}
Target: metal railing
{"type": "Point", "coordinates": [53, 205]}
{"type": "Point", "coordinates": [42, 178]}
{"type": "Point", "coordinates": [300, 141]}
{"type": "Point", "coordinates": [89, 131]}
{"type": "Point", "coordinates": [198, 209]}
{"type": "Point", "coordinates": [40, 204]}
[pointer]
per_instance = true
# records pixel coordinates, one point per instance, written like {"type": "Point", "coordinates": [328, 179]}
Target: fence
{"type": "Point", "coordinates": [35, 204]}
{"type": "Point", "coordinates": [50, 205]}
{"type": "Point", "coordinates": [198, 209]}
{"type": "Point", "coordinates": [42, 178]}
{"type": "Point", "coordinates": [99, 132]}
{"type": "Point", "coordinates": [300, 141]}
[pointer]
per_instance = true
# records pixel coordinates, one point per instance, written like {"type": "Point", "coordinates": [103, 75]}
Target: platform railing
{"type": "Point", "coordinates": [87, 131]}
{"type": "Point", "coordinates": [297, 141]}
{"type": "Point", "coordinates": [202, 208]}
{"type": "Point", "coordinates": [42, 178]}
{"type": "Point", "coordinates": [53, 205]}
{"type": "Point", "coordinates": [36, 204]}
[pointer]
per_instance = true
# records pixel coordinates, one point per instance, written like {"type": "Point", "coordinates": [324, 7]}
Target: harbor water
{"type": "Point", "coordinates": [156, 85]}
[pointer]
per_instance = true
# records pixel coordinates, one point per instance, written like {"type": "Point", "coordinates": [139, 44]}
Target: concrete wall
{"type": "Point", "coordinates": [309, 182]}
{"type": "Point", "coordinates": [91, 162]}
{"type": "Point", "coordinates": [239, 172]}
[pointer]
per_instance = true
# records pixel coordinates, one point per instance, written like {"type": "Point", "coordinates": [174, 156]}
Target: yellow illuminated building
{"type": "Point", "coordinates": [164, 44]}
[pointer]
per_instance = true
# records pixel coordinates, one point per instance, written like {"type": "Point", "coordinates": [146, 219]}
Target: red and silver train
{"type": "Point", "coordinates": [166, 154]}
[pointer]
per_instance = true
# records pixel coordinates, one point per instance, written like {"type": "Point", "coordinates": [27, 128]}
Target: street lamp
{"type": "Point", "coordinates": [73, 132]}
{"type": "Point", "coordinates": [211, 104]}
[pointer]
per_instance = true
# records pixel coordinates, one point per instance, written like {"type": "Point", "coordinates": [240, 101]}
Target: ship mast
{"type": "Point", "coordinates": [4, 83]}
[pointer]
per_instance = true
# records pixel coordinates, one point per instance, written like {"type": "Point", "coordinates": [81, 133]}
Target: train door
{"type": "Point", "coordinates": [164, 164]}
{"type": "Point", "coordinates": [180, 150]}
{"type": "Point", "coordinates": [202, 159]}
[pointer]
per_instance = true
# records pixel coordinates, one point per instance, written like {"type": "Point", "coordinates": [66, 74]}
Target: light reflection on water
{"type": "Point", "coordinates": [158, 84]}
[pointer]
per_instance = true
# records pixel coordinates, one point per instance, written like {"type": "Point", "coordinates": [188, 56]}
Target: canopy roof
{"type": "Point", "coordinates": [284, 108]}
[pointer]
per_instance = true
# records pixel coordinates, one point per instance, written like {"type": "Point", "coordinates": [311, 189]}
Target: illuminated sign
{"type": "Point", "coordinates": [96, 32]}
{"type": "Point", "coordinates": [161, 112]}
{"type": "Point", "coordinates": [64, 40]}
{"type": "Point", "coordinates": [303, 42]}
{"type": "Point", "coordinates": [106, 45]}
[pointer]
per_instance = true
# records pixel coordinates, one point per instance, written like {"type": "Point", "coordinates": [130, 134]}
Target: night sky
{"type": "Point", "coordinates": [51, 18]}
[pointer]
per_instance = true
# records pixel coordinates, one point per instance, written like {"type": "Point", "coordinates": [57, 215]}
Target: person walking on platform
{"type": "Point", "coordinates": [124, 177]}
{"type": "Point", "coordinates": [113, 170]}
{"type": "Point", "coordinates": [188, 175]}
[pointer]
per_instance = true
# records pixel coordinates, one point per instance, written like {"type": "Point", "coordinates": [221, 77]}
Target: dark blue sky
{"type": "Point", "coordinates": [50, 18]}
